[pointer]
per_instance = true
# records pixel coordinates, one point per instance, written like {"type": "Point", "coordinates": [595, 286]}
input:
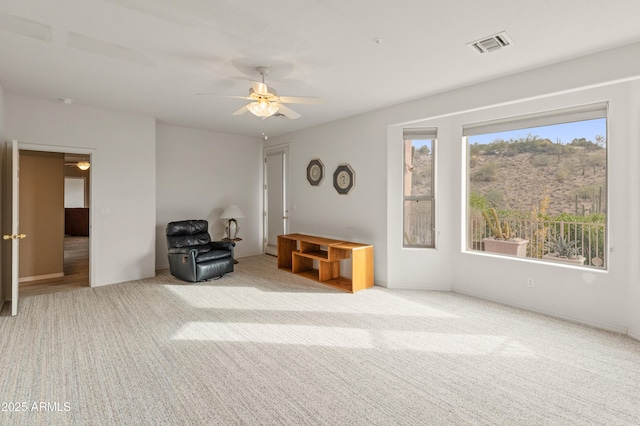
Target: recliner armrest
{"type": "Point", "coordinates": [222, 245]}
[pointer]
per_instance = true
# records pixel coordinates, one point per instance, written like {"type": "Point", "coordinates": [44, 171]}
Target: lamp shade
{"type": "Point", "coordinates": [263, 108]}
{"type": "Point", "coordinates": [232, 212]}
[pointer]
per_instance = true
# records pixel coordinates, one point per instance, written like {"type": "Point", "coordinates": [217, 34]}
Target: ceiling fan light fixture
{"type": "Point", "coordinates": [263, 108]}
{"type": "Point", "coordinates": [84, 165]}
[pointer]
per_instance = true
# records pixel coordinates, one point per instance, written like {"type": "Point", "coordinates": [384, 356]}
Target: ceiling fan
{"type": "Point", "coordinates": [265, 101]}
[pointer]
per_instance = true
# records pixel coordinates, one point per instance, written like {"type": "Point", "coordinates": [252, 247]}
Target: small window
{"type": "Point", "coordinates": [537, 186]}
{"type": "Point", "coordinates": [418, 182]}
{"type": "Point", "coordinates": [74, 192]}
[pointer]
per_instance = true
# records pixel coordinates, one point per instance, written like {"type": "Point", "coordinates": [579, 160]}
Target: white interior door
{"type": "Point", "coordinates": [12, 225]}
{"type": "Point", "coordinates": [276, 219]}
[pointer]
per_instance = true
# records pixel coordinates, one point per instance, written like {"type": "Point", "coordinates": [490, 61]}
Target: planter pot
{"type": "Point", "coordinates": [513, 247]}
{"type": "Point", "coordinates": [578, 261]}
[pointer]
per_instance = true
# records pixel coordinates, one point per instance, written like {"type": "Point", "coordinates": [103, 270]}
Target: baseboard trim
{"type": "Point", "coordinates": [602, 326]}
{"type": "Point", "coordinates": [634, 335]}
{"type": "Point", "coordinates": [41, 277]}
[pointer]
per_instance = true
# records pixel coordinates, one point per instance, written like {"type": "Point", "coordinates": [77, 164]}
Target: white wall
{"type": "Point", "coordinates": [199, 174]}
{"type": "Point", "coordinates": [422, 268]}
{"type": "Point", "coordinates": [633, 207]}
{"type": "Point", "coordinates": [585, 295]}
{"type": "Point", "coordinates": [123, 167]}
{"type": "Point", "coordinates": [319, 210]}
{"type": "Point", "coordinates": [602, 299]}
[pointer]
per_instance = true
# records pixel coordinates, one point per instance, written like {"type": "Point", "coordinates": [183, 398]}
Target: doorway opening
{"type": "Point", "coordinates": [276, 178]}
{"type": "Point", "coordinates": [54, 210]}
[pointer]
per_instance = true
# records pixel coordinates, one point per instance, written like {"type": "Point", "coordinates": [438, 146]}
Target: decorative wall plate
{"type": "Point", "coordinates": [315, 172]}
{"type": "Point", "coordinates": [344, 179]}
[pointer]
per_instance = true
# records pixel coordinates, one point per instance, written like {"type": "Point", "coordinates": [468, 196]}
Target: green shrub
{"type": "Point", "coordinates": [477, 202]}
{"type": "Point", "coordinates": [563, 174]}
{"type": "Point", "coordinates": [494, 197]}
{"type": "Point", "coordinates": [541, 160]}
{"type": "Point", "coordinates": [486, 173]}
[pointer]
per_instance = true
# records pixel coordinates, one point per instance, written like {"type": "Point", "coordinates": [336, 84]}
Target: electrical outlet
{"type": "Point", "coordinates": [530, 282]}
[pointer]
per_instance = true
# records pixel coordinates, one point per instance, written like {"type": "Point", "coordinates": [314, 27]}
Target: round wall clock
{"type": "Point", "coordinates": [315, 172]}
{"type": "Point", "coordinates": [344, 179]}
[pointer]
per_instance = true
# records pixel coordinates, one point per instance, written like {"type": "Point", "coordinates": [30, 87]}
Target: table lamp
{"type": "Point", "coordinates": [231, 214]}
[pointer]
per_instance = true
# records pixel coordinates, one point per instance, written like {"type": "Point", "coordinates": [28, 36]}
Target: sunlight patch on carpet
{"type": "Point", "coordinates": [371, 302]}
{"type": "Point", "coordinates": [281, 334]}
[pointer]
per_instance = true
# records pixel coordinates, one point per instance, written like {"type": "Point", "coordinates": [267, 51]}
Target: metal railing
{"type": "Point", "coordinates": [418, 224]}
{"type": "Point", "coordinates": [589, 237]}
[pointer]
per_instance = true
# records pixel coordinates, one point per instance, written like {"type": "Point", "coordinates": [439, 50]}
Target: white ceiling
{"type": "Point", "coordinates": [154, 56]}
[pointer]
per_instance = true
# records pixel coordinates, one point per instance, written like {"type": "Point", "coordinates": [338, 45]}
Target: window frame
{"type": "Point", "coordinates": [573, 114]}
{"type": "Point", "coordinates": [420, 133]}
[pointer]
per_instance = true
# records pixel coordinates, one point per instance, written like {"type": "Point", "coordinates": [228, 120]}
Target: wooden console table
{"type": "Point", "coordinates": [297, 253]}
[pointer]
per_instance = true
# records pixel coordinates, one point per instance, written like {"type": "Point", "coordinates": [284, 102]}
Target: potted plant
{"type": "Point", "coordinates": [563, 251]}
{"type": "Point", "coordinates": [502, 241]}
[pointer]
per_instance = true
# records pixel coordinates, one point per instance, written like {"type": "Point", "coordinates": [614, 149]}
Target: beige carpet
{"type": "Point", "coordinates": [261, 346]}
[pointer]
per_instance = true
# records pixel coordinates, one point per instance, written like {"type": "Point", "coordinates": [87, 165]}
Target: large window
{"type": "Point", "coordinates": [537, 186]}
{"type": "Point", "coordinates": [418, 193]}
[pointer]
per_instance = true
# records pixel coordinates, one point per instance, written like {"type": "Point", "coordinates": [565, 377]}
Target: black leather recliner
{"type": "Point", "coordinates": [193, 256]}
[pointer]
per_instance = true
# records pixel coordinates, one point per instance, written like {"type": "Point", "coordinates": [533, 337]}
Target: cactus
{"type": "Point", "coordinates": [506, 230]}
{"type": "Point", "coordinates": [501, 232]}
{"type": "Point", "coordinates": [562, 247]}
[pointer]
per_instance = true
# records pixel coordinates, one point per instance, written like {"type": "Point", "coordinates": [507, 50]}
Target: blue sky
{"type": "Point", "coordinates": [566, 132]}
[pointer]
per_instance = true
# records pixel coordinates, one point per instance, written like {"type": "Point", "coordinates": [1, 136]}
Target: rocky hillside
{"type": "Point", "coordinates": [520, 181]}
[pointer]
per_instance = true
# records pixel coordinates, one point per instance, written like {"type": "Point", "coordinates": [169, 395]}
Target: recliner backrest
{"type": "Point", "coordinates": [188, 233]}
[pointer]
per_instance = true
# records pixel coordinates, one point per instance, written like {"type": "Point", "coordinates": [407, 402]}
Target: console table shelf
{"type": "Point", "coordinates": [316, 254]}
{"type": "Point", "coordinates": [297, 253]}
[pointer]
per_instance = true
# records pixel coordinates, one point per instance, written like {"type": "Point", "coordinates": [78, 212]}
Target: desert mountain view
{"type": "Point", "coordinates": [519, 175]}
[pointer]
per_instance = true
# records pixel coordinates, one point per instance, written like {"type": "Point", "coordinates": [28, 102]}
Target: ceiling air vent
{"type": "Point", "coordinates": [491, 44]}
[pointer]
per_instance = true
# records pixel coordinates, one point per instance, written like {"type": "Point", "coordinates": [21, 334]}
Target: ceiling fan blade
{"type": "Point", "coordinates": [299, 100]}
{"type": "Point", "coordinates": [288, 112]}
{"type": "Point", "coordinates": [225, 96]}
{"type": "Point", "coordinates": [241, 111]}
{"type": "Point", "coordinates": [259, 88]}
